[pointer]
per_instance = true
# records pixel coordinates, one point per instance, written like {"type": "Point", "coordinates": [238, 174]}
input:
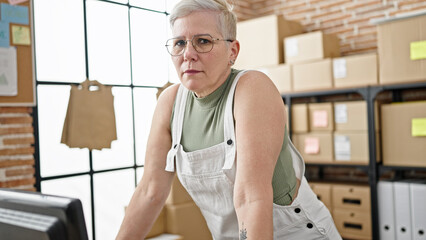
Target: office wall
{"type": "Point", "coordinates": [349, 19]}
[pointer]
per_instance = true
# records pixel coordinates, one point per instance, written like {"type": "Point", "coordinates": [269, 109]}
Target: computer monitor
{"type": "Point", "coordinates": [37, 216]}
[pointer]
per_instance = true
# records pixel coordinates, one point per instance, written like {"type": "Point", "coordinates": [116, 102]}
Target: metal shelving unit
{"type": "Point", "coordinates": [374, 168]}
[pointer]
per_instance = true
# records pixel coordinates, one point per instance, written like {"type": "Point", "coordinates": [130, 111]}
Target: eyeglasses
{"type": "Point", "coordinates": [202, 43]}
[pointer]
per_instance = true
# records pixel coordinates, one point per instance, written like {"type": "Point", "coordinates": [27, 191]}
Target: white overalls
{"type": "Point", "coordinates": [209, 175]}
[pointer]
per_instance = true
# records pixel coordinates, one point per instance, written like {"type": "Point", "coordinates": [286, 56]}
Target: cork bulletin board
{"type": "Point", "coordinates": [17, 87]}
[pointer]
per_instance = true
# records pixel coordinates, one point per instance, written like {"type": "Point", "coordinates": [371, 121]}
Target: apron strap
{"type": "Point", "coordinates": [179, 113]}
{"type": "Point", "coordinates": [229, 129]}
{"type": "Point", "coordinates": [298, 163]}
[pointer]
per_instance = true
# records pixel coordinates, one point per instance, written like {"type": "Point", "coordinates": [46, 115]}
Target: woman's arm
{"type": "Point", "coordinates": [260, 118]}
{"type": "Point", "coordinates": [151, 193]}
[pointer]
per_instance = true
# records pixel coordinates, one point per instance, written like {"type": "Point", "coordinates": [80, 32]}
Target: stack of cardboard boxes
{"type": "Point", "coordinates": [332, 132]}
{"type": "Point", "coordinates": [349, 205]}
{"type": "Point", "coordinates": [180, 217]}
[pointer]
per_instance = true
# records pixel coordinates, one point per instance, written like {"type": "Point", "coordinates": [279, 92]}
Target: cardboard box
{"type": "Point", "coordinates": [311, 46]}
{"type": "Point", "coordinates": [159, 225]}
{"type": "Point", "coordinates": [355, 71]}
{"type": "Point", "coordinates": [316, 75]}
{"type": "Point", "coordinates": [351, 197]}
{"type": "Point", "coordinates": [400, 43]}
{"type": "Point", "coordinates": [350, 116]}
{"type": "Point", "coordinates": [186, 220]}
{"type": "Point", "coordinates": [351, 148]}
{"type": "Point", "coordinates": [166, 236]}
{"type": "Point", "coordinates": [280, 75]}
{"type": "Point", "coordinates": [323, 192]}
{"type": "Point", "coordinates": [321, 116]}
{"type": "Point", "coordinates": [353, 224]}
{"type": "Point", "coordinates": [299, 118]}
{"type": "Point", "coordinates": [403, 134]}
{"type": "Point", "coordinates": [178, 193]}
{"type": "Point", "coordinates": [314, 147]}
{"type": "Point", "coordinates": [261, 40]}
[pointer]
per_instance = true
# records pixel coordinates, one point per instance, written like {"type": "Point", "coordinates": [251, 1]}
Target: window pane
{"type": "Point", "coordinates": [121, 153]}
{"type": "Point", "coordinates": [173, 76]}
{"type": "Point", "coordinates": [170, 4]}
{"type": "Point", "coordinates": [145, 101]}
{"type": "Point", "coordinates": [120, 1]}
{"type": "Point", "coordinates": [149, 55]}
{"type": "Point", "coordinates": [158, 5]}
{"type": "Point", "coordinates": [59, 40]}
{"type": "Point", "coordinates": [108, 42]}
{"type": "Point", "coordinates": [75, 187]}
{"type": "Point", "coordinates": [139, 174]}
{"type": "Point", "coordinates": [113, 191]}
{"type": "Point", "coordinates": [56, 158]}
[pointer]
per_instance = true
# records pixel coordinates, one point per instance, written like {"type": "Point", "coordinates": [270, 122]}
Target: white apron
{"type": "Point", "coordinates": [209, 175]}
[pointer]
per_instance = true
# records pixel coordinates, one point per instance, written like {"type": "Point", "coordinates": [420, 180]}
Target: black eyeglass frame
{"type": "Point", "coordinates": [192, 42]}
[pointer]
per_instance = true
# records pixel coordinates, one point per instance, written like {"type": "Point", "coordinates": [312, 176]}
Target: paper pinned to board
{"type": "Point", "coordinates": [4, 34]}
{"type": "Point", "coordinates": [14, 2]}
{"type": "Point", "coordinates": [320, 118]}
{"type": "Point", "coordinates": [21, 35]}
{"type": "Point", "coordinates": [8, 72]}
{"type": "Point", "coordinates": [418, 127]}
{"type": "Point", "coordinates": [418, 50]}
{"type": "Point", "coordinates": [312, 145]}
{"type": "Point", "coordinates": [14, 13]}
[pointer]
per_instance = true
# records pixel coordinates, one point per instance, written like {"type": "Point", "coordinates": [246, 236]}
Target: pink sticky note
{"type": "Point", "coordinates": [320, 118]}
{"type": "Point", "coordinates": [312, 145]}
{"type": "Point", "coordinates": [14, 2]}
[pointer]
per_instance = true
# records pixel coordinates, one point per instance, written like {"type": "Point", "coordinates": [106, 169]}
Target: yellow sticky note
{"type": "Point", "coordinates": [21, 35]}
{"type": "Point", "coordinates": [418, 50]}
{"type": "Point", "coordinates": [418, 127]}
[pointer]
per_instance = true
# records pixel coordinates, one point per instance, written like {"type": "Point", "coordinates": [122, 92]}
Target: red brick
{"type": "Point", "coordinates": [16, 110]}
{"type": "Point", "coordinates": [17, 151]}
{"type": "Point", "coordinates": [19, 172]}
{"type": "Point", "coordinates": [361, 4]}
{"type": "Point", "coordinates": [16, 183]}
{"type": "Point", "coordinates": [12, 163]}
{"type": "Point", "coordinates": [404, 11]}
{"type": "Point", "coordinates": [15, 120]}
{"type": "Point", "coordinates": [15, 141]}
{"type": "Point", "coordinates": [15, 130]}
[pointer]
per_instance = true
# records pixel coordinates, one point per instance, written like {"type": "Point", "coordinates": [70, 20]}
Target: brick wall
{"type": "Point", "coordinates": [16, 148]}
{"type": "Point", "coordinates": [349, 19]}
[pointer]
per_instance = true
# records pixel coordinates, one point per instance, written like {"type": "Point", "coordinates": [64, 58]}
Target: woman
{"type": "Point", "coordinates": [224, 132]}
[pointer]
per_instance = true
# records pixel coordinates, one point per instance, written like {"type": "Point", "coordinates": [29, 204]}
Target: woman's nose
{"type": "Point", "coordinates": [189, 52]}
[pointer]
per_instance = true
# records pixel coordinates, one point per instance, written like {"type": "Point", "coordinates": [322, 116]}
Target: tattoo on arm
{"type": "Point", "coordinates": [243, 232]}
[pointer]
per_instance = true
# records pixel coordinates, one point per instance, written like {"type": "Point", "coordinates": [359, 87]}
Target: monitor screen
{"type": "Point", "coordinates": [32, 215]}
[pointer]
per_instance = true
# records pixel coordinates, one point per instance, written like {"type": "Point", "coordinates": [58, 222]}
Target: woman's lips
{"type": "Point", "coordinates": [191, 71]}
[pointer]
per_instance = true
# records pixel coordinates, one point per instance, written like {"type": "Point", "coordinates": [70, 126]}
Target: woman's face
{"type": "Point", "coordinates": [203, 73]}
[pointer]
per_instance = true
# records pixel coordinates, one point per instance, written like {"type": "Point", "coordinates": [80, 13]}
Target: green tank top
{"type": "Point", "coordinates": [203, 127]}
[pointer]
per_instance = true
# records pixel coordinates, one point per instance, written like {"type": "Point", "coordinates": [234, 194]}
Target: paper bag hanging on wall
{"type": "Point", "coordinates": [90, 119]}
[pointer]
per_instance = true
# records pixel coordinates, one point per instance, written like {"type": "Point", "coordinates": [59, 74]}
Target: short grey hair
{"type": "Point", "coordinates": [227, 20]}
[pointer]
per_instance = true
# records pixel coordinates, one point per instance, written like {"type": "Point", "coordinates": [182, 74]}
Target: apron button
{"type": "Point", "coordinates": [175, 146]}
{"type": "Point", "coordinates": [309, 225]}
{"type": "Point", "coordinates": [229, 142]}
{"type": "Point", "coordinates": [297, 210]}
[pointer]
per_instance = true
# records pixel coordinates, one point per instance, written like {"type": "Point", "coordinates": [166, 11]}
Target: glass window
{"type": "Point", "coordinates": [158, 5]}
{"type": "Point", "coordinates": [108, 42]}
{"type": "Point", "coordinates": [149, 55]}
{"type": "Point", "coordinates": [75, 187]}
{"type": "Point", "coordinates": [121, 152]}
{"type": "Point", "coordinates": [145, 101]}
{"type": "Point", "coordinates": [59, 39]}
{"type": "Point", "coordinates": [170, 5]}
{"type": "Point", "coordinates": [56, 158]}
{"type": "Point", "coordinates": [112, 193]}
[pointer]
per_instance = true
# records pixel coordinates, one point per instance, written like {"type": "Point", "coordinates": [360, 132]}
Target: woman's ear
{"type": "Point", "coordinates": [235, 49]}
